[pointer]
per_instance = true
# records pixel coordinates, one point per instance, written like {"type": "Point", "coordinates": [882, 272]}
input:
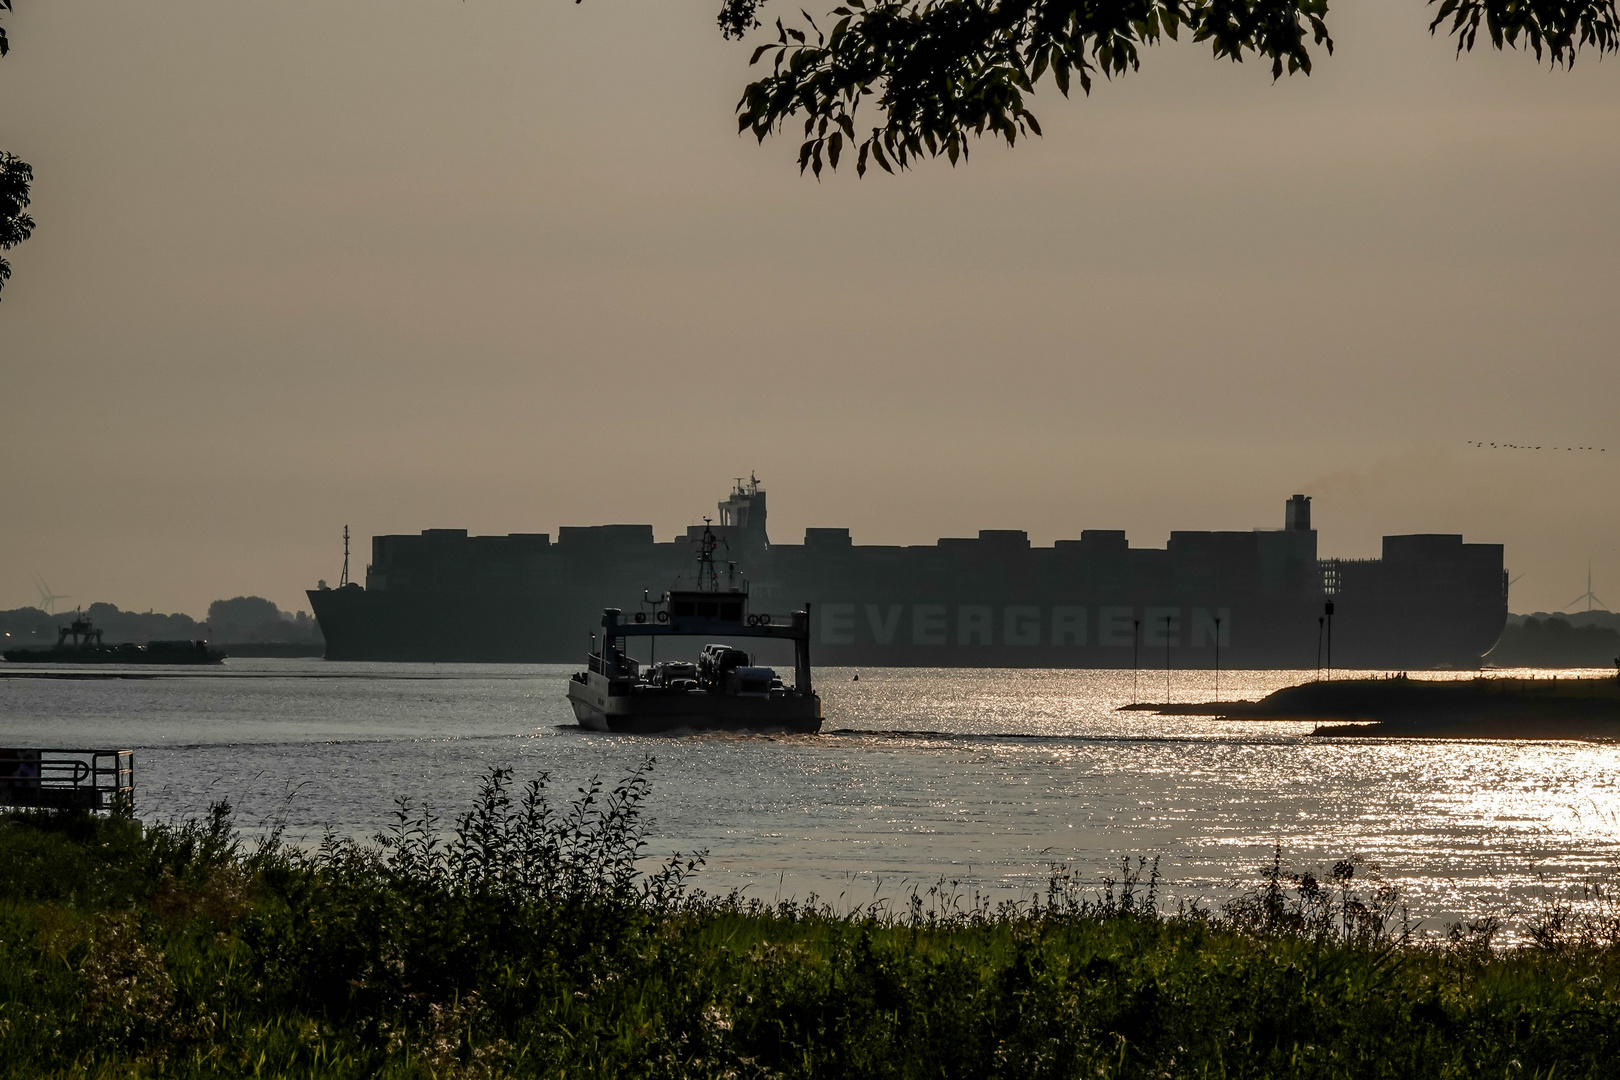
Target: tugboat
{"type": "Point", "coordinates": [724, 691]}
{"type": "Point", "coordinates": [88, 649]}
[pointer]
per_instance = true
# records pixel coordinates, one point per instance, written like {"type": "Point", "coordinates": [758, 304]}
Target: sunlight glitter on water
{"type": "Point", "coordinates": [979, 776]}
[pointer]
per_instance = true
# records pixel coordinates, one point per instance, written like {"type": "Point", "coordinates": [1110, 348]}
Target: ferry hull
{"type": "Point", "coordinates": [691, 711]}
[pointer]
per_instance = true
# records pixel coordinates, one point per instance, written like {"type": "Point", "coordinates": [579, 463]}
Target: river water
{"type": "Point", "coordinates": [980, 777]}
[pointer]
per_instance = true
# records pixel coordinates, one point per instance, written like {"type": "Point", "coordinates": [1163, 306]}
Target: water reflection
{"type": "Point", "coordinates": [983, 777]}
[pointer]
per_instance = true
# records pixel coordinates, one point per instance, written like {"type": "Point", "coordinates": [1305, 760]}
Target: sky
{"type": "Point", "coordinates": [506, 265]}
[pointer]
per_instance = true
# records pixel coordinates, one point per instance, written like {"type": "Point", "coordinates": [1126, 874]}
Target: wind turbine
{"type": "Point", "coordinates": [1588, 595]}
{"type": "Point", "coordinates": [48, 599]}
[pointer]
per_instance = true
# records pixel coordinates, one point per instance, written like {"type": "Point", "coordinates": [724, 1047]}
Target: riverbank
{"type": "Point", "coordinates": [534, 944]}
{"type": "Point", "coordinates": [1494, 707]}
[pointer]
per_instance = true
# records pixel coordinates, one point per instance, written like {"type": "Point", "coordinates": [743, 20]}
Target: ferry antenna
{"type": "Point", "coordinates": [708, 579]}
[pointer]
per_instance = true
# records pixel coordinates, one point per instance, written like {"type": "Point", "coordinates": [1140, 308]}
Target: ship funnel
{"type": "Point", "coordinates": [1298, 517]}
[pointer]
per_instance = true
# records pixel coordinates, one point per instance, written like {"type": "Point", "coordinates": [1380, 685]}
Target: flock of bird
{"type": "Point", "coordinates": [1516, 446]}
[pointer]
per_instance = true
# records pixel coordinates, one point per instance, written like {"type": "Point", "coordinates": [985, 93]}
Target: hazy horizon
{"type": "Point", "coordinates": [505, 265]}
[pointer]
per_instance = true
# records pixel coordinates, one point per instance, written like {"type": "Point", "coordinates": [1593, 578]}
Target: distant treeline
{"type": "Point", "coordinates": [1586, 639]}
{"type": "Point", "coordinates": [1597, 617]}
{"type": "Point", "coordinates": [238, 621]}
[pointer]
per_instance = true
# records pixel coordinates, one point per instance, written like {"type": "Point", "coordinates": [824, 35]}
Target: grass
{"type": "Point", "coordinates": [525, 941]}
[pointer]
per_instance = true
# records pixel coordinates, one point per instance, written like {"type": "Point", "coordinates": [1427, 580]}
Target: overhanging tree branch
{"type": "Point", "coordinates": [15, 178]}
{"type": "Point", "coordinates": [931, 73]}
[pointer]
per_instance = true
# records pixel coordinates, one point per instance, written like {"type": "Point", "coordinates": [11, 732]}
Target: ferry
{"type": "Point", "coordinates": [725, 690]}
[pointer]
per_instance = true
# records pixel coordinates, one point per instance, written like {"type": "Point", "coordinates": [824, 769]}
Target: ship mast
{"type": "Point", "coordinates": [707, 579]}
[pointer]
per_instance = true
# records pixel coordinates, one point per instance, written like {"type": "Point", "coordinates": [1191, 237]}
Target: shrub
{"type": "Point", "coordinates": [533, 939]}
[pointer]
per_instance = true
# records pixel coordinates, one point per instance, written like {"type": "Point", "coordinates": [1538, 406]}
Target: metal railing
{"type": "Point", "coordinates": [67, 779]}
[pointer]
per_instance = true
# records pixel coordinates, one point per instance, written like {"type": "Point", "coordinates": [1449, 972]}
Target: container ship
{"type": "Point", "coordinates": [1255, 599]}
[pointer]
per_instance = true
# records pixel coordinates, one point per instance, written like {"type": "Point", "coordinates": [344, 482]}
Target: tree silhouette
{"type": "Point", "coordinates": [933, 72]}
{"type": "Point", "coordinates": [15, 225]}
{"type": "Point", "coordinates": [15, 177]}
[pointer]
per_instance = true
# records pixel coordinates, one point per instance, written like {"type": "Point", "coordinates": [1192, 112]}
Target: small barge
{"type": "Point", "coordinates": [725, 690]}
{"type": "Point", "coordinates": [86, 648]}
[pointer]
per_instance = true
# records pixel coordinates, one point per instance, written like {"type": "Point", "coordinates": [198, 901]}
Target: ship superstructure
{"type": "Point", "coordinates": [1262, 598]}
